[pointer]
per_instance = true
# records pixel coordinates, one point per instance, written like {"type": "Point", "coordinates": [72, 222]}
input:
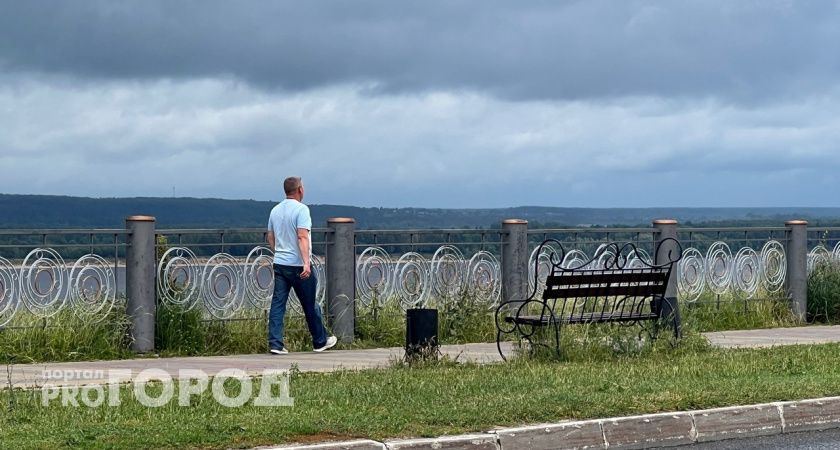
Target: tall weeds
{"type": "Point", "coordinates": [727, 312]}
{"type": "Point", "coordinates": [824, 293]}
{"type": "Point", "coordinates": [462, 319]}
{"type": "Point", "coordinates": [65, 337]}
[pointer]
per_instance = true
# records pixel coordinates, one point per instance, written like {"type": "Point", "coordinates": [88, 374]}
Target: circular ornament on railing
{"type": "Point", "coordinates": [43, 282]}
{"type": "Point", "coordinates": [691, 275]}
{"type": "Point", "coordinates": [374, 276]}
{"type": "Point", "coordinates": [222, 286]}
{"type": "Point", "coordinates": [484, 278]}
{"type": "Point", "coordinates": [818, 256]}
{"type": "Point", "coordinates": [574, 259]}
{"type": "Point", "coordinates": [606, 258]}
{"type": "Point", "coordinates": [448, 272]}
{"type": "Point", "coordinates": [546, 255]}
{"type": "Point", "coordinates": [179, 278]}
{"type": "Point", "coordinates": [638, 258]}
{"type": "Point", "coordinates": [8, 292]}
{"type": "Point", "coordinates": [719, 267]}
{"type": "Point", "coordinates": [747, 271]}
{"type": "Point", "coordinates": [319, 268]}
{"type": "Point", "coordinates": [412, 280]}
{"type": "Point", "coordinates": [93, 287]}
{"type": "Point", "coordinates": [259, 277]}
{"type": "Point", "coordinates": [773, 266]}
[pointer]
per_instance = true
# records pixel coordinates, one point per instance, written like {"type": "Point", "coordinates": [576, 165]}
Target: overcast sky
{"type": "Point", "coordinates": [432, 104]}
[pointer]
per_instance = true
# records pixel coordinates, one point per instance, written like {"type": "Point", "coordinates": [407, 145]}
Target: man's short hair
{"type": "Point", "coordinates": [291, 185]}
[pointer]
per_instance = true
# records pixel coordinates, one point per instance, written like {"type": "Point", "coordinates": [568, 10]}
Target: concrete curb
{"type": "Point", "coordinates": [361, 444]}
{"type": "Point", "coordinates": [466, 441]}
{"type": "Point", "coordinates": [740, 421]}
{"type": "Point", "coordinates": [635, 432]}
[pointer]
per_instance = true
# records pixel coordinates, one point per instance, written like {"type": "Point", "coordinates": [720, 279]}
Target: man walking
{"type": "Point", "coordinates": [289, 227]}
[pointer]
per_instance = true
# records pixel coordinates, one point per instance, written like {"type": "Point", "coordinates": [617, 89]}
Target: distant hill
{"type": "Point", "coordinates": [28, 211]}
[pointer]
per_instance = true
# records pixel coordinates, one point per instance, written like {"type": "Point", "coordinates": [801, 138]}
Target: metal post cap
{"type": "Point", "coordinates": [797, 222]}
{"type": "Point", "coordinates": [341, 220]}
{"type": "Point", "coordinates": [665, 222]}
{"type": "Point", "coordinates": [515, 221]}
{"type": "Point", "coordinates": [140, 219]}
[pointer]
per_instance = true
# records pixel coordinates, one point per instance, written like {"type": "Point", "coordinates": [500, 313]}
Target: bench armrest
{"type": "Point", "coordinates": [517, 309]}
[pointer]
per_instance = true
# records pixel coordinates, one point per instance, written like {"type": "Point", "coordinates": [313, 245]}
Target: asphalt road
{"type": "Point", "coordinates": [816, 440]}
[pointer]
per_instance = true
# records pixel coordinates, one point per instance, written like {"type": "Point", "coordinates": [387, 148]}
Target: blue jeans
{"type": "Point", "coordinates": [285, 279]}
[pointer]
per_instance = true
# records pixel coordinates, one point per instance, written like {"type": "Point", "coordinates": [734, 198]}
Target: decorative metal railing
{"type": "Point", "coordinates": [743, 263]}
{"type": "Point", "coordinates": [225, 282]}
{"type": "Point", "coordinates": [226, 272]}
{"type": "Point", "coordinates": [709, 264]}
{"type": "Point", "coordinates": [719, 271]}
{"type": "Point", "coordinates": [417, 268]}
{"type": "Point", "coordinates": [37, 280]}
{"type": "Point", "coordinates": [824, 244]}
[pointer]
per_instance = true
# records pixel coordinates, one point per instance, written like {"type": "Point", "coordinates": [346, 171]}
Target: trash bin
{"type": "Point", "coordinates": [421, 330]}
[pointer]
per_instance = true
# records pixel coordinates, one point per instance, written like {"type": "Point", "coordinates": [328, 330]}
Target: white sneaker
{"type": "Point", "coordinates": [331, 341]}
{"type": "Point", "coordinates": [281, 351]}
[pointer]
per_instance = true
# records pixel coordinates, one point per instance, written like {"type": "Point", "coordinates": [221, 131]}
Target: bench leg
{"type": "Point", "coordinates": [499, 344]}
{"type": "Point", "coordinates": [554, 335]}
{"type": "Point", "coordinates": [668, 310]}
{"type": "Point", "coordinates": [669, 317]}
{"type": "Point", "coordinates": [671, 310]}
{"type": "Point", "coordinates": [547, 337]}
{"type": "Point", "coordinates": [556, 327]}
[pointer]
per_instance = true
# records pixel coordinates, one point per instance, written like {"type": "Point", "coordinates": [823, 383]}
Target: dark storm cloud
{"type": "Point", "coordinates": [741, 51]}
{"type": "Point", "coordinates": [439, 104]}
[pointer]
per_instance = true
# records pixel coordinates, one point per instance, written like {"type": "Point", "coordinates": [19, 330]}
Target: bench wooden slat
{"type": "Point", "coordinates": [606, 276]}
{"type": "Point", "coordinates": [607, 290]}
{"type": "Point", "coordinates": [595, 317]}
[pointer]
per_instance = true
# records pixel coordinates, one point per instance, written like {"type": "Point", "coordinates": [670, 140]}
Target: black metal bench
{"type": "Point", "coordinates": [617, 285]}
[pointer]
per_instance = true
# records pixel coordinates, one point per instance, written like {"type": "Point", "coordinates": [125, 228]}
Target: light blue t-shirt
{"type": "Point", "coordinates": [284, 221]}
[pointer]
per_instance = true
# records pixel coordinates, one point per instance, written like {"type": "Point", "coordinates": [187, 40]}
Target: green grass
{"type": "Point", "coordinates": [711, 313]}
{"type": "Point", "coordinates": [460, 321]}
{"type": "Point", "coordinates": [65, 337]}
{"type": "Point", "coordinates": [824, 293]}
{"type": "Point", "coordinates": [188, 333]}
{"type": "Point", "coordinates": [179, 332]}
{"type": "Point", "coordinates": [440, 399]}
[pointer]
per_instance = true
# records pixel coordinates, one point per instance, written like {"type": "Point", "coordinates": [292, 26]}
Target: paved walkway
{"type": "Point", "coordinates": [96, 372]}
{"type": "Point", "coordinates": [774, 336]}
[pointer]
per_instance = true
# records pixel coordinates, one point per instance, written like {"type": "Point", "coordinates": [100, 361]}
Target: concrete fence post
{"type": "Point", "coordinates": [140, 282]}
{"type": "Point", "coordinates": [667, 251]}
{"type": "Point", "coordinates": [797, 266]}
{"type": "Point", "coordinates": [341, 278]}
{"type": "Point", "coordinates": [514, 259]}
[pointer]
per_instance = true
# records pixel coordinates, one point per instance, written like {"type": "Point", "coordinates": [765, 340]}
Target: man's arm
{"type": "Point", "coordinates": [304, 246]}
{"type": "Point", "coordinates": [269, 238]}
